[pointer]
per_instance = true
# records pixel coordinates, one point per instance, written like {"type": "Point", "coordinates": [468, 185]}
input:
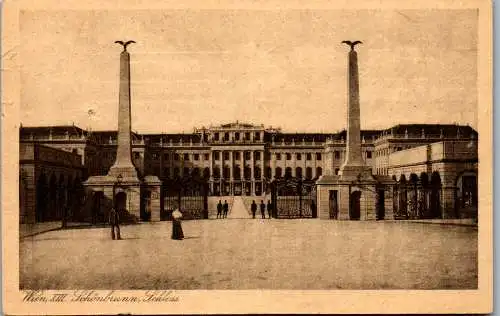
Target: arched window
{"type": "Point", "coordinates": [268, 172]}
{"type": "Point", "coordinates": [257, 173]}
{"type": "Point", "coordinates": [247, 172]}
{"type": "Point", "coordinates": [53, 198]}
{"type": "Point", "coordinates": [237, 172]}
{"type": "Point", "coordinates": [226, 173]}
{"type": "Point", "coordinates": [319, 171]}
{"type": "Point", "coordinates": [467, 190]}
{"type": "Point", "coordinates": [216, 172]}
{"type": "Point", "coordinates": [278, 172]}
{"type": "Point", "coordinates": [288, 172]}
{"type": "Point", "coordinates": [298, 173]}
{"type": "Point", "coordinates": [435, 195]}
{"type": "Point", "coordinates": [61, 195]}
{"type": "Point", "coordinates": [206, 173]}
{"type": "Point", "coordinates": [195, 172]}
{"type": "Point", "coordinates": [41, 205]}
{"type": "Point", "coordinates": [309, 173]}
{"type": "Point", "coordinates": [424, 179]}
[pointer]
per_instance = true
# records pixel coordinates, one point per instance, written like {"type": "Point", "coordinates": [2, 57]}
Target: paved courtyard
{"type": "Point", "coordinates": [254, 254]}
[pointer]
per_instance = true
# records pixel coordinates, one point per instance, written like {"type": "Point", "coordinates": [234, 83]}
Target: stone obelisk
{"type": "Point", "coordinates": [354, 165]}
{"type": "Point", "coordinates": [123, 165]}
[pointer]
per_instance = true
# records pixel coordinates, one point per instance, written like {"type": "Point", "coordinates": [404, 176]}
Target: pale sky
{"type": "Point", "coordinates": [281, 68]}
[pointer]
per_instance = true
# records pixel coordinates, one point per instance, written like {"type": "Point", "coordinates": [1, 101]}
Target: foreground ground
{"type": "Point", "coordinates": [254, 254]}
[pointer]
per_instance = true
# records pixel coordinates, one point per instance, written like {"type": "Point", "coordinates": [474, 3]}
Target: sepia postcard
{"type": "Point", "coordinates": [215, 157]}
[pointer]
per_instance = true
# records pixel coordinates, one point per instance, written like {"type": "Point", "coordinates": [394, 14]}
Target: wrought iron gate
{"type": "Point", "coordinates": [190, 194]}
{"type": "Point", "coordinates": [294, 198]}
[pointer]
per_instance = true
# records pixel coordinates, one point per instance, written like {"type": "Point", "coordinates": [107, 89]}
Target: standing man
{"type": "Point", "coordinates": [219, 209]}
{"type": "Point", "coordinates": [269, 208]}
{"type": "Point", "coordinates": [226, 209]}
{"type": "Point", "coordinates": [254, 208]}
{"type": "Point", "coordinates": [114, 221]}
{"type": "Point", "coordinates": [262, 209]}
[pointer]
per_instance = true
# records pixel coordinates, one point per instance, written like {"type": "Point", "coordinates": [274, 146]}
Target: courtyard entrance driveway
{"type": "Point", "coordinates": [254, 254]}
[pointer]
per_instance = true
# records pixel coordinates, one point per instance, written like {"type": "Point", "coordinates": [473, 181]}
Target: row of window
{"type": "Point", "coordinates": [298, 156]}
{"type": "Point", "coordinates": [217, 155]}
{"type": "Point", "coordinates": [388, 151]}
{"type": "Point", "coordinates": [337, 154]}
{"type": "Point", "coordinates": [237, 136]}
{"type": "Point", "coordinates": [382, 171]}
{"type": "Point", "coordinates": [247, 172]}
{"type": "Point", "coordinates": [176, 157]}
{"type": "Point", "coordinates": [236, 156]}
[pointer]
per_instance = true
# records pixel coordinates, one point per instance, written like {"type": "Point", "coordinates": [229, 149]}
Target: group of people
{"type": "Point", "coordinates": [114, 222]}
{"type": "Point", "coordinates": [222, 209]}
{"type": "Point", "coordinates": [262, 208]}
{"type": "Point", "coordinates": [177, 233]}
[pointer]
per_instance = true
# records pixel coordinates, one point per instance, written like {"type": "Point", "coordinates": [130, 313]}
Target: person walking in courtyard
{"type": "Point", "coordinates": [219, 209]}
{"type": "Point", "coordinates": [114, 221]}
{"type": "Point", "coordinates": [226, 209]}
{"type": "Point", "coordinates": [269, 208]}
{"type": "Point", "coordinates": [253, 208]}
{"type": "Point", "coordinates": [177, 233]}
{"type": "Point", "coordinates": [262, 209]}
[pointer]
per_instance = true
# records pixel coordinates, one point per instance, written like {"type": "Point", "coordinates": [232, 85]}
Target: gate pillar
{"type": "Point", "coordinates": [153, 185]}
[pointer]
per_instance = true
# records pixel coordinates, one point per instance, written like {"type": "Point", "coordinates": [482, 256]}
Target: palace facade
{"type": "Point", "coordinates": [242, 159]}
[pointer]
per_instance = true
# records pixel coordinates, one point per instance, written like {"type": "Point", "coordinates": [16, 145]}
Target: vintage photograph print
{"type": "Point", "coordinates": [157, 155]}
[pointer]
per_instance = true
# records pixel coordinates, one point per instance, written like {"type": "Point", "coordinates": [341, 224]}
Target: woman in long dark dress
{"type": "Point", "coordinates": [177, 232]}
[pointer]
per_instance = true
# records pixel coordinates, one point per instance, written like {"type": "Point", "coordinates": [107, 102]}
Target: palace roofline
{"type": "Point", "coordinates": [399, 129]}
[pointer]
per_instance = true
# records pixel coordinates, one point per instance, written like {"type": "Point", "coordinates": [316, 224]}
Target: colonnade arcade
{"type": "Point", "coordinates": [426, 197]}
{"type": "Point", "coordinates": [418, 197]}
{"type": "Point", "coordinates": [56, 196]}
